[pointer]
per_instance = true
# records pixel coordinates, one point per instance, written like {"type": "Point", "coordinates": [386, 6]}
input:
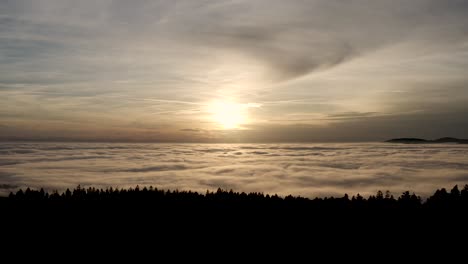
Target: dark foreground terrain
{"type": "Point", "coordinates": [267, 224]}
{"type": "Point", "coordinates": [152, 204]}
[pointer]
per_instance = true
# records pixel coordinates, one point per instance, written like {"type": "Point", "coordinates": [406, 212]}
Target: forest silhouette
{"type": "Point", "coordinates": [150, 198]}
{"type": "Point", "coordinates": [233, 214]}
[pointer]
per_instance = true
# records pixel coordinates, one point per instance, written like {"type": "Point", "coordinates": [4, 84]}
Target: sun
{"type": "Point", "coordinates": [228, 114]}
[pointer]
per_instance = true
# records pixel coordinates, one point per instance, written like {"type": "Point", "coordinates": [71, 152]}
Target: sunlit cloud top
{"type": "Point", "coordinates": [214, 71]}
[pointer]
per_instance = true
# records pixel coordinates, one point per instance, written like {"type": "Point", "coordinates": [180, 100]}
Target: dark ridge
{"type": "Point", "coordinates": [105, 216]}
{"type": "Point", "coordinates": [407, 140]}
{"type": "Point", "coordinates": [447, 139]}
{"type": "Point", "coordinates": [450, 140]}
{"type": "Point", "coordinates": [223, 199]}
{"type": "Point", "coordinates": [425, 141]}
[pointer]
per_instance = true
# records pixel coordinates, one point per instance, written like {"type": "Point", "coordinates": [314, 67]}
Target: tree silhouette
{"type": "Point", "coordinates": [154, 201]}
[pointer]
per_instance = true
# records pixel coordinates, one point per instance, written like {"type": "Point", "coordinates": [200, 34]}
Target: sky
{"type": "Point", "coordinates": [233, 71]}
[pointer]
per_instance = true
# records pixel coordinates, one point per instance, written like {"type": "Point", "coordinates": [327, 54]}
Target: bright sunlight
{"type": "Point", "coordinates": [230, 115]}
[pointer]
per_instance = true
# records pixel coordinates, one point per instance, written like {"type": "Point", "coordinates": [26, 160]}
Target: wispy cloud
{"type": "Point", "coordinates": [108, 64]}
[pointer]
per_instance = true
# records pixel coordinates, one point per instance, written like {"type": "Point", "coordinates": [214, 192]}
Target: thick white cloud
{"type": "Point", "coordinates": [300, 169]}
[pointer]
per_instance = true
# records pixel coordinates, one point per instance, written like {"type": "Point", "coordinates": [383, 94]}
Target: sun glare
{"type": "Point", "coordinates": [228, 114]}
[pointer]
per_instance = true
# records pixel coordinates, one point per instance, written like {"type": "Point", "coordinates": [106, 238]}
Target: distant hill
{"type": "Point", "coordinates": [407, 140]}
{"type": "Point", "coordinates": [425, 141]}
{"type": "Point", "coordinates": [451, 140]}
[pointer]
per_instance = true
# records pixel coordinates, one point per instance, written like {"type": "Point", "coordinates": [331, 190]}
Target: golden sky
{"type": "Point", "coordinates": [233, 71]}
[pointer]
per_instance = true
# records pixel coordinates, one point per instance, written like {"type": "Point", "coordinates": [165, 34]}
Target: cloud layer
{"type": "Point", "coordinates": [300, 169]}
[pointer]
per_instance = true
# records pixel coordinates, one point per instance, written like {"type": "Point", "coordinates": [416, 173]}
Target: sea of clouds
{"type": "Point", "coordinates": [300, 169]}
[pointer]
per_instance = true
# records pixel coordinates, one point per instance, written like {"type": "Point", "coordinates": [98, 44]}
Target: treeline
{"type": "Point", "coordinates": [223, 199]}
{"type": "Point", "coordinates": [223, 213]}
